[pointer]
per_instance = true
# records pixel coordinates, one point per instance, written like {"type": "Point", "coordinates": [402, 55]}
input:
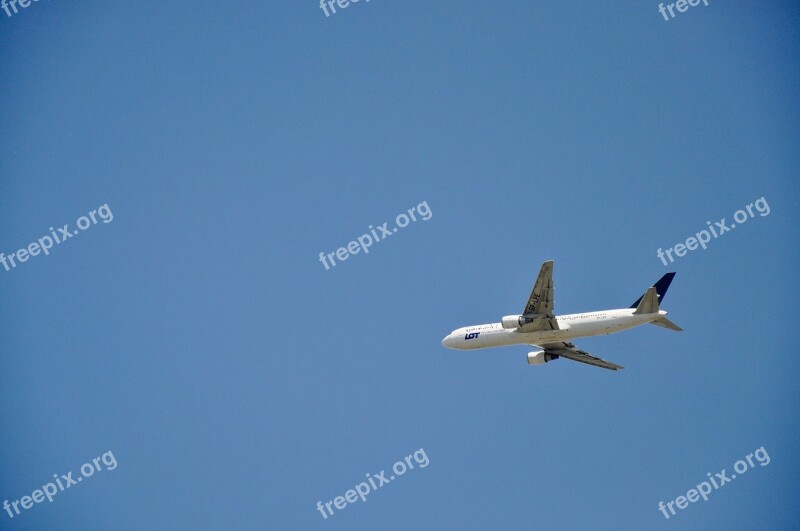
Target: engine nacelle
{"type": "Point", "coordinates": [538, 357]}
{"type": "Point", "coordinates": [514, 321]}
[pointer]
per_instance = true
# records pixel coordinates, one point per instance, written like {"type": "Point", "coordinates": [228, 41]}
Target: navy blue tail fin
{"type": "Point", "coordinates": [661, 288]}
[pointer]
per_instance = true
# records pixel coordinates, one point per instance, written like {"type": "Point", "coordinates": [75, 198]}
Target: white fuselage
{"type": "Point", "coordinates": [569, 327]}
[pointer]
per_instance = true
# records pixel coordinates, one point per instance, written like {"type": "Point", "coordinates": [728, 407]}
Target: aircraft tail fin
{"type": "Point", "coordinates": [648, 303]}
{"type": "Point", "coordinates": [661, 290]}
{"type": "Point", "coordinates": [666, 323]}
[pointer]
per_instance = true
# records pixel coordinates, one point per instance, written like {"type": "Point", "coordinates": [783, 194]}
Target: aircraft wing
{"type": "Point", "coordinates": [571, 352]}
{"type": "Point", "coordinates": [541, 300]}
{"type": "Point", "coordinates": [539, 309]}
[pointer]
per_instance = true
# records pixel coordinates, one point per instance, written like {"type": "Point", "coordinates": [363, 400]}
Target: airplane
{"type": "Point", "coordinates": [539, 327]}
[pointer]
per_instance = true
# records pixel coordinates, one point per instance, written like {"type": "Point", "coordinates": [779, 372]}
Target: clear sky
{"type": "Point", "coordinates": [237, 381]}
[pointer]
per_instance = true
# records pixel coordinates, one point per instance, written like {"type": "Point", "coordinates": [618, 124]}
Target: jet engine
{"type": "Point", "coordinates": [539, 357]}
{"type": "Point", "coordinates": [515, 321]}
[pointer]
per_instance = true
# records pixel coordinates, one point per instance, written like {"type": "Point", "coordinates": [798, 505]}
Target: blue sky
{"type": "Point", "coordinates": [238, 382]}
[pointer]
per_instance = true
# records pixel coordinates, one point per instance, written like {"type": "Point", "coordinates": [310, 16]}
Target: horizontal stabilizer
{"type": "Point", "coordinates": [666, 323]}
{"type": "Point", "coordinates": [649, 302]}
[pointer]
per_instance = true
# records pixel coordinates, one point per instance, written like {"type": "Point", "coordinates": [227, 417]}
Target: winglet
{"type": "Point", "coordinates": [661, 289]}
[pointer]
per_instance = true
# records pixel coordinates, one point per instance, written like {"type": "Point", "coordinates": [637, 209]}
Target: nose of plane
{"type": "Point", "coordinates": [447, 341]}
